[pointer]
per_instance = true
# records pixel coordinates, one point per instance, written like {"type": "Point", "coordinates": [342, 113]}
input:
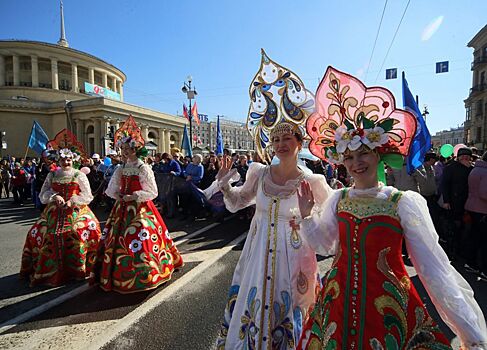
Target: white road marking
{"type": "Point", "coordinates": [126, 322]}
{"type": "Point", "coordinates": [5, 326]}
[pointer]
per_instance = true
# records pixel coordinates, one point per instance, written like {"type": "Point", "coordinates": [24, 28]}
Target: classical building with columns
{"type": "Point", "coordinates": [476, 102]}
{"type": "Point", "coordinates": [48, 83]}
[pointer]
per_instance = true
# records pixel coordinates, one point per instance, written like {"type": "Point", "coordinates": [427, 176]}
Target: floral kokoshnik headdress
{"type": "Point", "coordinates": [349, 115]}
{"type": "Point", "coordinates": [130, 133]}
{"type": "Point", "coordinates": [280, 104]}
{"type": "Point", "coordinates": [65, 145]}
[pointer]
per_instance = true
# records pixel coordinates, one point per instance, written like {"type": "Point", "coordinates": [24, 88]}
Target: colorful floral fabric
{"type": "Point", "coordinates": [62, 244]}
{"type": "Point", "coordinates": [137, 252]}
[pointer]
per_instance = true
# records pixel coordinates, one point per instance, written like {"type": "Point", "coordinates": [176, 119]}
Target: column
{"type": "Point", "coordinates": [145, 131]}
{"type": "Point", "coordinates": [91, 75]}
{"type": "Point", "coordinates": [15, 60]}
{"type": "Point", "coordinates": [35, 70]}
{"type": "Point", "coordinates": [114, 84]}
{"type": "Point", "coordinates": [2, 70]}
{"type": "Point", "coordinates": [120, 90]}
{"type": "Point", "coordinates": [161, 144]}
{"type": "Point", "coordinates": [80, 128]}
{"type": "Point", "coordinates": [105, 80]}
{"type": "Point", "coordinates": [167, 139]}
{"type": "Point", "coordinates": [97, 127]}
{"type": "Point", "coordinates": [54, 74]}
{"type": "Point", "coordinates": [74, 77]}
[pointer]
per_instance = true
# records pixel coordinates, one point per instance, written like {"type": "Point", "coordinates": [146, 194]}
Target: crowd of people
{"type": "Point", "coordinates": [330, 204]}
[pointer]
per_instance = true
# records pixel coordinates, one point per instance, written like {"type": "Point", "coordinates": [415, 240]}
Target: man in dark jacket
{"type": "Point", "coordinates": [454, 187]}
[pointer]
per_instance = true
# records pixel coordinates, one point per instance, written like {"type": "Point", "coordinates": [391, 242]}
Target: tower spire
{"type": "Point", "coordinates": [62, 41]}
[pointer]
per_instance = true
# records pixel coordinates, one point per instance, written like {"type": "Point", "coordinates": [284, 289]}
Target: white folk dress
{"type": "Point", "coordinates": [276, 279]}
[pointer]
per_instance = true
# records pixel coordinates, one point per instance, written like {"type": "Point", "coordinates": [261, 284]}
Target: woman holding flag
{"type": "Point", "coordinates": [368, 300]}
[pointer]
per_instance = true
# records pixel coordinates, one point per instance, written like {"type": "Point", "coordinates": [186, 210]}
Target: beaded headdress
{"type": "Point", "coordinates": [66, 145]}
{"type": "Point", "coordinates": [129, 133]}
{"type": "Point", "coordinates": [279, 103]}
{"type": "Point", "coordinates": [349, 115]}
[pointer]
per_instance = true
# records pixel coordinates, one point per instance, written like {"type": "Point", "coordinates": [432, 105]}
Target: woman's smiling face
{"type": "Point", "coordinates": [362, 165]}
{"type": "Point", "coordinates": [286, 146]}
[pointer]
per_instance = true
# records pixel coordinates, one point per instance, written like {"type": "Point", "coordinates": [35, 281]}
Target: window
{"type": "Point", "coordinates": [479, 134]}
{"type": "Point", "coordinates": [468, 112]}
{"type": "Point", "coordinates": [478, 108]}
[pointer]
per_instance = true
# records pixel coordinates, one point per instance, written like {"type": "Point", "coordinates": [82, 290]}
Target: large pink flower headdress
{"type": "Point", "coordinates": [349, 115]}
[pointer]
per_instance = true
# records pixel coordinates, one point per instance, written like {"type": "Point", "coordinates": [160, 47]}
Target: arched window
{"type": "Point", "coordinates": [90, 129]}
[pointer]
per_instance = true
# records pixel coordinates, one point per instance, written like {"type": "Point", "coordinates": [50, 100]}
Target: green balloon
{"type": "Point", "coordinates": [395, 161]}
{"type": "Point", "coordinates": [446, 150]}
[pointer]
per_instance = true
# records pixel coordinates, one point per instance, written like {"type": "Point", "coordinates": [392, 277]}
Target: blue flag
{"type": "Point", "coordinates": [421, 143]}
{"type": "Point", "coordinates": [38, 138]}
{"type": "Point", "coordinates": [219, 138]}
{"type": "Point", "coordinates": [186, 145]}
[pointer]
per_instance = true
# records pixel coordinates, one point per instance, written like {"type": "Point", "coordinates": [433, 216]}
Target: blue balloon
{"type": "Point", "coordinates": [107, 161]}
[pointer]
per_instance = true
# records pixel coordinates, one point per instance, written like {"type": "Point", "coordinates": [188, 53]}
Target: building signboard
{"type": "Point", "coordinates": [96, 90]}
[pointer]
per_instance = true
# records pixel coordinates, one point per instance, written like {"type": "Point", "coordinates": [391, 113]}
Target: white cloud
{"type": "Point", "coordinates": [431, 28]}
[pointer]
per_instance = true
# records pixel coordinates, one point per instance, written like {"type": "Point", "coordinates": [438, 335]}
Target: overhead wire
{"type": "Point", "coordinates": [392, 42]}
{"type": "Point", "coordinates": [375, 41]}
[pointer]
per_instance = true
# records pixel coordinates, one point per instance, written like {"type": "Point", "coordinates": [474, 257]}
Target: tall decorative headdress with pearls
{"type": "Point", "coordinates": [279, 103]}
{"type": "Point", "coordinates": [349, 115]}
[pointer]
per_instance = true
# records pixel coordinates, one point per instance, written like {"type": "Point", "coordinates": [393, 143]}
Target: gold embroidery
{"type": "Point", "coordinates": [302, 283]}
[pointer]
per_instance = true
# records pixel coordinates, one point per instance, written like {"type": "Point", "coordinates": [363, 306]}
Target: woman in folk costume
{"type": "Point", "coordinates": [368, 300]}
{"type": "Point", "coordinates": [276, 279]}
{"type": "Point", "coordinates": [63, 242]}
{"type": "Point", "coordinates": [137, 251]}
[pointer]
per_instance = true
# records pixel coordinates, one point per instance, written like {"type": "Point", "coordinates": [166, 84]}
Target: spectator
{"type": "Point", "coordinates": [194, 171]}
{"type": "Point", "coordinates": [401, 180]}
{"type": "Point", "coordinates": [242, 168]}
{"type": "Point", "coordinates": [157, 165]}
{"type": "Point", "coordinates": [476, 206]}
{"type": "Point", "coordinates": [18, 182]}
{"type": "Point", "coordinates": [170, 166]}
{"type": "Point", "coordinates": [176, 155]}
{"type": "Point", "coordinates": [454, 188]}
{"type": "Point", "coordinates": [186, 161]}
{"type": "Point", "coordinates": [438, 168]}
{"type": "Point", "coordinates": [426, 179]}
{"type": "Point", "coordinates": [4, 178]}
{"type": "Point", "coordinates": [210, 172]}
{"type": "Point", "coordinates": [41, 174]}
{"type": "Point", "coordinates": [29, 169]}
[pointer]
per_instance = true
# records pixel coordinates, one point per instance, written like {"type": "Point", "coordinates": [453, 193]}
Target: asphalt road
{"type": "Point", "coordinates": [183, 314]}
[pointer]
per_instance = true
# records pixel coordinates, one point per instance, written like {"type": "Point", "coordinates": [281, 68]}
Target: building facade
{"type": "Point", "coordinates": [476, 103]}
{"type": "Point", "coordinates": [235, 135]}
{"type": "Point", "coordinates": [454, 136]}
{"type": "Point", "coordinates": [61, 87]}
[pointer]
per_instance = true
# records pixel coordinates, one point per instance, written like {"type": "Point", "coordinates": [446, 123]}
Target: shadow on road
{"type": "Point", "coordinates": [95, 305]}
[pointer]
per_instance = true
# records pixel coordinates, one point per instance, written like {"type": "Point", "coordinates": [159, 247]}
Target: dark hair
{"type": "Point", "coordinates": [429, 156]}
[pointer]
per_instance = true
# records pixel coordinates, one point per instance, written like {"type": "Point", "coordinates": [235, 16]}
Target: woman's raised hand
{"type": "Point", "coordinates": [225, 167]}
{"type": "Point", "coordinates": [306, 200]}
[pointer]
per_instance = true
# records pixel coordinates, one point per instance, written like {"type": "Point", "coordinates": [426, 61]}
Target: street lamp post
{"type": "Point", "coordinates": [190, 92]}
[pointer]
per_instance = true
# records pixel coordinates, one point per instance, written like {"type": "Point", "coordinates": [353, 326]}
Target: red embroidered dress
{"type": "Point", "coordinates": [137, 250]}
{"type": "Point", "coordinates": [62, 244]}
{"type": "Point", "coordinates": [368, 300]}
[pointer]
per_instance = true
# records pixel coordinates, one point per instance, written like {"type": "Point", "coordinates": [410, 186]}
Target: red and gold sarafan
{"type": "Point", "coordinates": [368, 300]}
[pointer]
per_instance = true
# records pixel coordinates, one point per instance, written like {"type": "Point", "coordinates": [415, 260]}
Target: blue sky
{"type": "Point", "coordinates": [158, 43]}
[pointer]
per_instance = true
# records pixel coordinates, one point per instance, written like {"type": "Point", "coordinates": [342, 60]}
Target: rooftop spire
{"type": "Point", "coordinates": [62, 41]}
